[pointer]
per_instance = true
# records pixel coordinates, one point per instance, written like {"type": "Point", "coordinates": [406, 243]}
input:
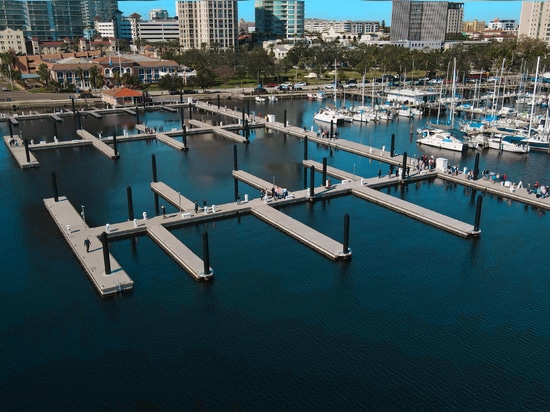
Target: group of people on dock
{"type": "Point", "coordinates": [540, 191]}
{"type": "Point", "coordinates": [154, 129]}
{"type": "Point", "coordinates": [275, 193]}
{"type": "Point", "coordinates": [322, 132]}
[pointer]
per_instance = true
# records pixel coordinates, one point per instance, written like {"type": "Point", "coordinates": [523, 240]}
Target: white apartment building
{"type": "Point", "coordinates": [353, 27]}
{"type": "Point", "coordinates": [12, 40]}
{"type": "Point", "coordinates": [505, 25]}
{"type": "Point", "coordinates": [534, 21]}
{"type": "Point", "coordinates": [209, 22]}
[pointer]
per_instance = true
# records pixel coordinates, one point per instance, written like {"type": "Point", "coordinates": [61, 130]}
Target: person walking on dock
{"type": "Point", "coordinates": [238, 197]}
{"type": "Point", "coordinates": [379, 173]}
{"type": "Point", "coordinates": [196, 206]}
{"type": "Point", "coordinates": [204, 203]}
{"type": "Point", "coordinates": [87, 245]}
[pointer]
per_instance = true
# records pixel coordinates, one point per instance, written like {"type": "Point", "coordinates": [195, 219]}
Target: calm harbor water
{"type": "Point", "coordinates": [418, 319]}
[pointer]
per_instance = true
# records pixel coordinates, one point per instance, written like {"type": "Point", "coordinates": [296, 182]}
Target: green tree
{"type": "Point", "coordinates": [44, 72]}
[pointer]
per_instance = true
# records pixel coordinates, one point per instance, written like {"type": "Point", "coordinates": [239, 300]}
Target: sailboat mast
{"type": "Point", "coordinates": [534, 98]}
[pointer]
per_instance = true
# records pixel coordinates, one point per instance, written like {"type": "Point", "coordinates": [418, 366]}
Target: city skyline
{"type": "Point", "coordinates": [358, 10]}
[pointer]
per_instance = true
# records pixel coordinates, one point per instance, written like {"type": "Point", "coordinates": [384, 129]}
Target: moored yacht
{"type": "Point", "coordinates": [440, 138]}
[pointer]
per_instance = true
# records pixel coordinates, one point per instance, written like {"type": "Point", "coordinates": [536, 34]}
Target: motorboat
{"type": "Point", "coordinates": [409, 112]}
{"type": "Point", "coordinates": [508, 143]}
{"type": "Point", "coordinates": [440, 138]}
{"type": "Point", "coordinates": [329, 115]}
{"type": "Point", "coordinates": [272, 98]}
{"type": "Point", "coordinates": [259, 99]}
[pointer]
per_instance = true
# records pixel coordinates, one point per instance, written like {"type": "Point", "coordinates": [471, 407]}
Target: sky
{"type": "Point", "coordinates": [346, 9]}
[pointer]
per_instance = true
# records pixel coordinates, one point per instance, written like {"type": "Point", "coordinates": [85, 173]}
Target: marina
{"type": "Point", "coordinates": [409, 299]}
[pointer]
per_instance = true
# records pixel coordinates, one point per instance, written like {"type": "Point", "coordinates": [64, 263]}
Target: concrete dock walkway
{"type": "Point", "coordinates": [75, 231]}
{"type": "Point", "coordinates": [17, 150]}
{"type": "Point", "coordinates": [99, 144]}
{"type": "Point", "coordinates": [188, 260]}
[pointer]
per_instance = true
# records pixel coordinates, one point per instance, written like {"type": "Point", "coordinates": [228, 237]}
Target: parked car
{"type": "Point", "coordinates": [300, 84]}
{"type": "Point", "coordinates": [329, 86]}
{"type": "Point", "coordinates": [260, 90]}
{"type": "Point", "coordinates": [172, 92]}
{"type": "Point", "coordinates": [272, 85]}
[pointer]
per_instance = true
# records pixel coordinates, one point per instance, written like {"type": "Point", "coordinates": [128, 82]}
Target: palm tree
{"type": "Point", "coordinates": [79, 77]}
{"type": "Point", "coordinates": [94, 72]}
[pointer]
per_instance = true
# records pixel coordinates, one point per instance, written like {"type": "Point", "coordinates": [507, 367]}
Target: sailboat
{"type": "Point", "coordinates": [443, 136]}
{"type": "Point", "coordinates": [330, 113]}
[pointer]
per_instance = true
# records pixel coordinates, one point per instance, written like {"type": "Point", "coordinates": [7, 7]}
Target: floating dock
{"type": "Point", "coordinates": [99, 144]}
{"type": "Point", "coordinates": [17, 150]}
{"type": "Point", "coordinates": [222, 131]}
{"type": "Point", "coordinates": [189, 261]}
{"type": "Point", "coordinates": [305, 234]}
{"type": "Point", "coordinates": [420, 213]}
{"type": "Point", "coordinates": [75, 231]}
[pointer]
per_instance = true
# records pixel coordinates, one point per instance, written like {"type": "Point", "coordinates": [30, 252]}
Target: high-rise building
{"type": "Point", "coordinates": [158, 14]}
{"type": "Point", "coordinates": [210, 22]}
{"type": "Point", "coordinates": [280, 18]}
{"type": "Point", "coordinates": [455, 17]}
{"type": "Point", "coordinates": [535, 20]}
{"type": "Point", "coordinates": [54, 19]}
{"type": "Point", "coordinates": [423, 24]}
{"type": "Point", "coordinates": [98, 10]}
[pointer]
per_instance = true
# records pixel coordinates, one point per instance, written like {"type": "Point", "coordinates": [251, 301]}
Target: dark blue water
{"type": "Point", "coordinates": [418, 319]}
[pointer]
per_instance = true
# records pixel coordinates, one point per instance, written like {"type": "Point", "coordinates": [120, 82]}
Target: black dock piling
{"type": "Point", "coordinates": [284, 118]}
{"type": "Point", "coordinates": [345, 249]}
{"type": "Point", "coordinates": [235, 167]}
{"type": "Point", "coordinates": [137, 115]}
{"type": "Point", "coordinates": [478, 213]}
{"type": "Point", "coordinates": [190, 111]}
{"type": "Point", "coordinates": [331, 129]}
{"type": "Point", "coordinates": [55, 132]}
{"type": "Point", "coordinates": [246, 130]}
{"type": "Point", "coordinates": [184, 138]}
{"type": "Point", "coordinates": [311, 182]}
{"type": "Point", "coordinates": [206, 253]}
{"type": "Point", "coordinates": [324, 179]}
{"type": "Point", "coordinates": [130, 203]}
{"type": "Point", "coordinates": [248, 107]}
{"type": "Point", "coordinates": [27, 151]}
{"type": "Point", "coordinates": [54, 188]}
{"type": "Point", "coordinates": [392, 147]}
{"type": "Point", "coordinates": [78, 121]}
{"type": "Point", "coordinates": [74, 111]}
{"type": "Point", "coordinates": [106, 259]}
{"type": "Point", "coordinates": [11, 129]}
{"type": "Point", "coordinates": [243, 120]}
{"type": "Point", "coordinates": [115, 147]}
{"type": "Point", "coordinates": [218, 102]}
{"type": "Point", "coordinates": [154, 165]}
{"type": "Point", "coordinates": [182, 117]}
{"type": "Point", "coordinates": [305, 146]}
{"type": "Point", "coordinates": [404, 167]}
{"type": "Point", "coordinates": [476, 167]}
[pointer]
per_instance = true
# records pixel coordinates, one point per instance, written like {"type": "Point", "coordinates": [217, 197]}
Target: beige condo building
{"type": "Point", "coordinates": [535, 20]}
{"type": "Point", "coordinates": [208, 22]}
